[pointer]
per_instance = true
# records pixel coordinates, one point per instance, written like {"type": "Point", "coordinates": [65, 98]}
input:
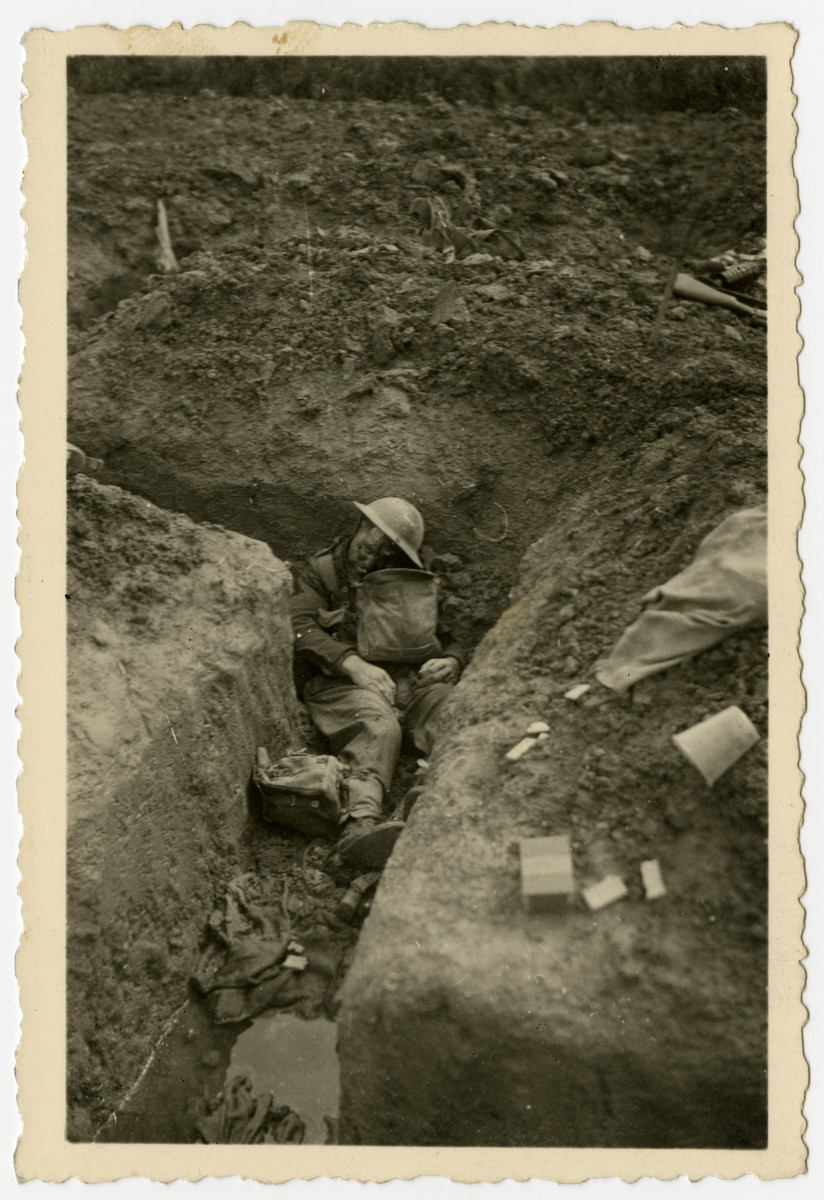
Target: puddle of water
{"type": "Point", "coordinates": [296, 1060]}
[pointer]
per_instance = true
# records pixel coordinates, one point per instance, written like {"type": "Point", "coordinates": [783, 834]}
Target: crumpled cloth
{"type": "Point", "coordinates": [241, 973]}
{"type": "Point", "coordinates": [722, 591]}
{"type": "Point", "coordinates": [241, 1117]}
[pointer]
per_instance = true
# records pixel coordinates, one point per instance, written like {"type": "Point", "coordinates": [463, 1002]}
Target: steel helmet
{"type": "Point", "coordinates": [399, 520]}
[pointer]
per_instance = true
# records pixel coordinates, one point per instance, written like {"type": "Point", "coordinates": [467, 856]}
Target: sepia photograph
{"type": "Point", "coordinates": [416, 600]}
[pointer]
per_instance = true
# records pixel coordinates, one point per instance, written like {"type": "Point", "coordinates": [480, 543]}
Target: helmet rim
{"type": "Point", "coordinates": [379, 522]}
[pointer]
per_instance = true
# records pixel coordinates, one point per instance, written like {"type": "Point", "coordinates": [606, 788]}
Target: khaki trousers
{"type": "Point", "coordinates": [365, 731]}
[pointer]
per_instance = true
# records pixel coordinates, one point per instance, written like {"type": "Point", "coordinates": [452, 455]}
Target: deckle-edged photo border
{"type": "Point", "coordinates": [44, 1153]}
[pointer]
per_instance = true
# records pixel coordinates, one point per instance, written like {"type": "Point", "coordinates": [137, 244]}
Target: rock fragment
{"type": "Point", "coordinates": [385, 325]}
{"type": "Point", "coordinates": [497, 292]}
{"type": "Point", "coordinates": [450, 307]}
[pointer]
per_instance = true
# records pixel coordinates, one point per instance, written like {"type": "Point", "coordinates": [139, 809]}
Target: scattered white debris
{"type": "Point", "coordinates": [518, 751]}
{"type": "Point", "coordinates": [295, 947]}
{"type": "Point", "coordinates": [653, 883]}
{"type": "Point", "coordinates": [713, 745]}
{"type": "Point", "coordinates": [577, 692]}
{"type": "Point", "coordinates": [296, 962]}
{"type": "Point", "coordinates": [606, 891]}
{"type": "Point", "coordinates": [538, 727]}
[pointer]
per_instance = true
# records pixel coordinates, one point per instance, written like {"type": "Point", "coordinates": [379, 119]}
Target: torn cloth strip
{"type": "Point", "coordinates": [722, 591]}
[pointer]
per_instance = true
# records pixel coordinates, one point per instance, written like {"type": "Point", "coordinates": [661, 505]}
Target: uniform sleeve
{"type": "Point", "coordinates": [312, 642]}
{"type": "Point", "coordinates": [451, 649]}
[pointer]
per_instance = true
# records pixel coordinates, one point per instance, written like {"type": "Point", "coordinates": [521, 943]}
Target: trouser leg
{"type": "Point", "coordinates": [421, 718]}
{"type": "Point", "coordinates": [364, 733]}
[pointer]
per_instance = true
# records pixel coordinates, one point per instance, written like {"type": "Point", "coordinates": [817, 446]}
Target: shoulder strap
{"type": "Point", "coordinates": [324, 564]}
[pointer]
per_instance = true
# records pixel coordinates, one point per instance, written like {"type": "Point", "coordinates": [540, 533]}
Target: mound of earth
{"type": "Point", "coordinates": [295, 361]}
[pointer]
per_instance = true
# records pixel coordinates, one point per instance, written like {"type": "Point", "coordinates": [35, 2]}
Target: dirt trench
{"type": "Point", "coordinates": [311, 351]}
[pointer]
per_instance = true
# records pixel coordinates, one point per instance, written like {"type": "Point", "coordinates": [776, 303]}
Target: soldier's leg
{"type": "Point", "coordinates": [421, 719]}
{"type": "Point", "coordinates": [363, 732]}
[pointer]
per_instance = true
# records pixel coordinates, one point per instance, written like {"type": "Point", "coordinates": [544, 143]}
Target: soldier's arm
{"type": "Point", "coordinates": [312, 642]}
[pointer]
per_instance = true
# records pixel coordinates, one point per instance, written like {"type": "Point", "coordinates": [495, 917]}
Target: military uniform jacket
{"type": "Point", "coordinates": [323, 613]}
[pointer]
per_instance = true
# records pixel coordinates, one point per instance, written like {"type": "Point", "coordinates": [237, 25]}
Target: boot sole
{"type": "Point", "coordinates": [371, 850]}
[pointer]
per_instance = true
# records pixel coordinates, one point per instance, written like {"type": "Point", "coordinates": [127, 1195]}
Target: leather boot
{"type": "Point", "coordinates": [367, 843]}
{"type": "Point", "coordinates": [367, 840]}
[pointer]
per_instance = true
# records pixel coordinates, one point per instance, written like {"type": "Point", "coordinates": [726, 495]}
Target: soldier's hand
{"type": "Point", "coordinates": [439, 670]}
{"type": "Point", "coordinates": [367, 675]}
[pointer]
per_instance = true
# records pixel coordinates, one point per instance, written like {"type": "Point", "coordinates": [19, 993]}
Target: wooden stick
{"type": "Point", "coordinates": [168, 262]}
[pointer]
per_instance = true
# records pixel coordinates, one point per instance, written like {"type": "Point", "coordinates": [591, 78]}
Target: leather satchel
{"type": "Point", "coordinates": [300, 791]}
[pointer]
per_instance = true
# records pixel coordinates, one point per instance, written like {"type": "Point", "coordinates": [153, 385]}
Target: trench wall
{"type": "Point", "coordinates": [466, 1021]}
{"type": "Point", "coordinates": [179, 665]}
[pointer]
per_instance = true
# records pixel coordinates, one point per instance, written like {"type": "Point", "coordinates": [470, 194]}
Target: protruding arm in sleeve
{"type": "Point", "coordinates": [312, 642]}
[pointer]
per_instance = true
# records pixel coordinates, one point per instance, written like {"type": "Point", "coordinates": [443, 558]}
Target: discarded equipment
{"type": "Point", "coordinates": [731, 269]}
{"type": "Point", "coordinates": [295, 962]}
{"type": "Point", "coordinates": [606, 891]}
{"type": "Point", "coordinates": [689, 288]}
{"type": "Point", "coordinates": [723, 590]}
{"type": "Point", "coordinates": [520, 750]}
{"type": "Point", "coordinates": [713, 745]}
{"type": "Point", "coordinates": [167, 260]}
{"type": "Point", "coordinates": [525, 744]}
{"type": "Point", "coordinates": [355, 896]}
{"type": "Point", "coordinates": [241, 971]}
{"type": "Point", "coordinates": [251, 961]}
{"type": "Point", "coordinates": [301, 791]}
{"type": "Point", "coordinates": [78, 461]}
{"type": "Point", "coordinates": [651, 877]}
{"type": "Point", "coordinates": [547, 880]}
{"type": "Point", "coordinates": [537, 727]}
{"type": "Point", "coordinates": [238, 1115]}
